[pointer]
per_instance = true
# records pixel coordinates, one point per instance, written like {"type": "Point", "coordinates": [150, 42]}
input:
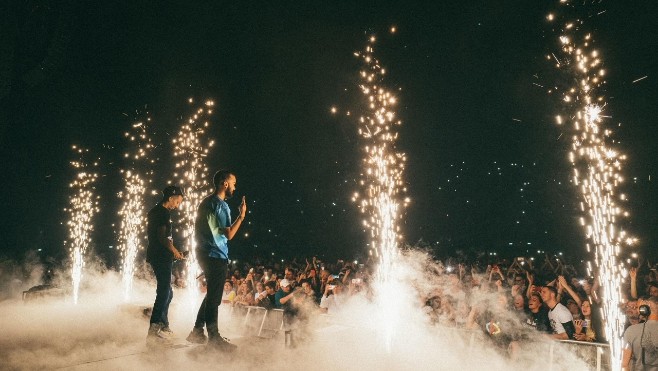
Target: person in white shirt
{"type": "Point", "coordinates": [559, 316]}
{"type": "Point", "coordinates": [333, 298]}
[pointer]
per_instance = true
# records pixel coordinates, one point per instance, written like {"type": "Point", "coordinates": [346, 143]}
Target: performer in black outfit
{"type": "Point", "coordinates": [161, 253]}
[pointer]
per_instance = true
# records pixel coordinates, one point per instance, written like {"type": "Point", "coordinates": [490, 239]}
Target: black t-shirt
{"type": "Point", "coordinates": [272, 301]}
{"type": "Point", "coordinates": [539, 321]}
{"type": "Point", "coordinates": [500, 326]}
{"type": "Point", "coordinates": [158, 217]}
{"type": "Point", "coordinates": [266, 303]}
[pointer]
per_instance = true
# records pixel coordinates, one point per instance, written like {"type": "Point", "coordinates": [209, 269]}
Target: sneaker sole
{"type": "Point", "coordinates": [197, 341]}
{"type": "Point", "coordinates": [223, 347]}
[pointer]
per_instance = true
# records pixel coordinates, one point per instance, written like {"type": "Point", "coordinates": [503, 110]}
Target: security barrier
{"type": "Point", "coordinates": [261, 322]}
{"type": "Point", "coordinates": [42, 292]}
{"type": "Point", "coordinates": [596, 355]}
{"type": "Point", "coordinates": [265, 323]}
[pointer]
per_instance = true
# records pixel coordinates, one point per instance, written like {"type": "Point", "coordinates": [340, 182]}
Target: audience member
{"type": "Point", "coordinates": [228, 295]}
{"type": "Point", "coordinates": [585, 328]}
{"type": "Point", "coordinates": [640, 348]}
{"type": "Point", "coordinates": [538, 314]}
{"type": "Point", "coordinates": [558, 315]}
{"type": "Point", "coordinates": [333, 299]}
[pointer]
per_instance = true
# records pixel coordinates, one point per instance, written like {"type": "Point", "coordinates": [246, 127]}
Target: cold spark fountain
{"type": "Point", "coordinates": [381, 181]}
{"type": "Point", "coordinates": [133, 221]}
{"type": "Point", "coordinates": [192, 174]}
{"type": "Point", "coordinates": [83, 204]}
{"type": "Point", "coordinates": [596, 167]}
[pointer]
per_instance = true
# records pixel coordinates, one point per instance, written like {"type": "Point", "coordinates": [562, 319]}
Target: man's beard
{"type": "Point", "coordinates": [229, 193]}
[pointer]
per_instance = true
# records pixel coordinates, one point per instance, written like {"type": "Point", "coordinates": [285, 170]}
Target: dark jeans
{"type": "Point", "coordinates": [215, 271]}
{"type": "Point", "coordinates": [163, 293]}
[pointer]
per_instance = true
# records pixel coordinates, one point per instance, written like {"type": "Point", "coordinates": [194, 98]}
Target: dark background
{"type": "Point", "coordinates": [487, 166]}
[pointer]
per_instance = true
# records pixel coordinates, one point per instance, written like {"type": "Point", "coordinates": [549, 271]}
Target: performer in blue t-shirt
{"type": "Point", "coordinates": [212, 231]}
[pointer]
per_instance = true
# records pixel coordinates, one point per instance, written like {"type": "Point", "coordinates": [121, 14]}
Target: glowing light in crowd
{"type": "Point", "coordinates": [83, 204]}
{"type": "Point", "coordinates": [382, 178]}
{"type": "Point", "coordinates": [192, 175]}
{"type": "Point", "coordinates": [133, 220]}
{"type": "Point", "coordinates": [597, 167]}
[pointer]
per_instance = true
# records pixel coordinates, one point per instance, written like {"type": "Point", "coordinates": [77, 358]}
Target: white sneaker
{"type": "Point", "coordinates": [165, 332]}
{"type": "Point", "coordinates": [156, 337]}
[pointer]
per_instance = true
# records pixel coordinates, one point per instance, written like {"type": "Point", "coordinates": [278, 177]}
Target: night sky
{"type": "Point", "coordinates": [486, 168]}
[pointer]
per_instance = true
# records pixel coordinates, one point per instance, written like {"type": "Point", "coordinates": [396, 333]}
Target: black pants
{"type": "Point", "coordinates": [216, 271]}
{"type": "Point", "coordinates": [163, 292]}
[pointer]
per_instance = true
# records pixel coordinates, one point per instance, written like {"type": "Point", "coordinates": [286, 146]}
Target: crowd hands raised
{"type": "Point", "coordinates": [509, 301]}
{"type": "Point", "coordinates": [308, 283]}
{"type": "Point", "coordinates": [513, 301]}
{"type": "Point", "coordinates": [517, 300]}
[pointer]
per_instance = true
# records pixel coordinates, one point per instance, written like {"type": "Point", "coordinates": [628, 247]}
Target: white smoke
{"type": "Point", "coordinates": [104, 332]}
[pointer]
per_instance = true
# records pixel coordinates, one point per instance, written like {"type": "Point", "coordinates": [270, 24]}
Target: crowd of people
{"type": "Point", "coordinates": [313, 283]}
{"type": "Point", "coordinates": [508, 301]}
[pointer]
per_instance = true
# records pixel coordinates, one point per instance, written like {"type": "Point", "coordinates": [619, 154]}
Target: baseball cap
{"type": "Point", "coordinates": [284, 283]}
{"type": "Point", "coordinates": [172, 191]}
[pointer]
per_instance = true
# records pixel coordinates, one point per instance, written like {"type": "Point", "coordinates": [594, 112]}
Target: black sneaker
{"type": "Point", "coordinates": [197, 336]}
{"type": "Point", "coordinates": [221, 343]}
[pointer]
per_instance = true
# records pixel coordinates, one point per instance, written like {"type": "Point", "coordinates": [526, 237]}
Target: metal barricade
{"type": "Point", "coordinates": [265, 323]}
{"type": "Point", "coordinates": [596, 355]}
{"type": "Point", "coordinates": [42, 292]}
{"type": "Point", "coordinates": [254, 320]}
{"type": "Point", "coordinates": [272, 323]}
{"type": "Point", "coordinates": [261, 322]}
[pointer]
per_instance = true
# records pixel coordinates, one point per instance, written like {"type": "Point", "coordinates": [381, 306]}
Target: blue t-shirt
{"type": "Point", "coordinates": [213, 217]}
{"type": "Point", "coordinates": [280, 295]}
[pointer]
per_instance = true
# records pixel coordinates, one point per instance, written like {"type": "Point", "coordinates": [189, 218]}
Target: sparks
{"type": "Point", "coordinates": [597, 173]}
{"type": "Point", "coordinates": [83, 204]}
{"type": "Point", "coordinates": [382, 175]}
{"type": "Point", "coordinates": [132, 229]}
{"type": "Point", "coordinates": [192, 176]}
